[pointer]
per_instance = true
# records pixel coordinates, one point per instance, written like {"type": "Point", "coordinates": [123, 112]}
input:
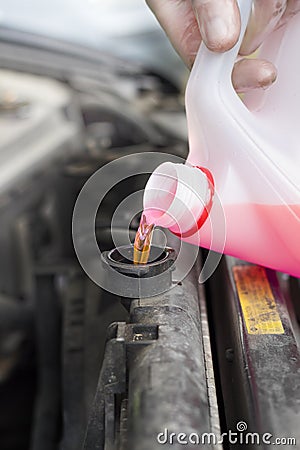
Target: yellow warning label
{"type": "Point", "coordinates": [257, 300]}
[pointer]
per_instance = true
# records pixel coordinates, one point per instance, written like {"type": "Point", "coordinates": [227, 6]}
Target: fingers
{"type": "Point", "coordinates": [178, 20]}
{"type": "Point", "coordinates": [219, 23]}
{"type": "Point", "coordinates": [186, 21]}
{"type": "Point", "coordinates": [293, 8]}
{"type": "Point", "coordinates": [250, 74]}
{"type": "Point", "coordinates": [265, 16]}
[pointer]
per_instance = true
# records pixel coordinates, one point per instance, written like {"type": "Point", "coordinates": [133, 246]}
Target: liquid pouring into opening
{"type": "Point", "coordinates": [142, 242]}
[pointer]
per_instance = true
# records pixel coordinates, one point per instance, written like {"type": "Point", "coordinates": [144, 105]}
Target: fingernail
{"type": "Point", "coordinates": [219, 28]}
{"type": "Point", "coordinates": [216, 34]}
{"type": "Point", "coordinates": [267, 75]}
{"type": "Point", "coordinates": [251, 74]}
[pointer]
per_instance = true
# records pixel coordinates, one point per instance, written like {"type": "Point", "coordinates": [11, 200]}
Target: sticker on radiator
{"type": "Point", "coordinates": [257, 300]}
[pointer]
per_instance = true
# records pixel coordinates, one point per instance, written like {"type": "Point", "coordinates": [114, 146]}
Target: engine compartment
{"type": "Point", "coordinates": [79, 366]}
{"type": "Point", "coordinates": [54, 135]}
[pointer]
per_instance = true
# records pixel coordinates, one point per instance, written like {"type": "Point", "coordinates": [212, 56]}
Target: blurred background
{"type": "Point", "coordinates": [82, 82]}
{"type": "Point", "coordinates": [124, 29]}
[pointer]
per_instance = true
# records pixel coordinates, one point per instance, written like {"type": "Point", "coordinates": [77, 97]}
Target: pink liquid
{"type": "Point", "coordinates": [268, 235]}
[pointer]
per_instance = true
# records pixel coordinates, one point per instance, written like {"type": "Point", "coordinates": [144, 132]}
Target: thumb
{"type": "Point", "coordinates": [219, 23]}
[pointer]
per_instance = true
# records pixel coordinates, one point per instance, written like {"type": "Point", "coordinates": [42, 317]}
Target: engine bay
{"type": "Point", "coordinates": [81, 367]}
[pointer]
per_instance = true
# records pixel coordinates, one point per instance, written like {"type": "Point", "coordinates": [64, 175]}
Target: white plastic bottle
{"type": "Point", "coordinates": [243, 156]}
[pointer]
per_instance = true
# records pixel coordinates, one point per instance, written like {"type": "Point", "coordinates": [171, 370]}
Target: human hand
{"type": "Point", "coordinates": [217, 23]}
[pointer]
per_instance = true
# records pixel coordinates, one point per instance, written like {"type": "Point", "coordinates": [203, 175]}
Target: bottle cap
{"type": "Point", "coordinates": [179, 197]}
